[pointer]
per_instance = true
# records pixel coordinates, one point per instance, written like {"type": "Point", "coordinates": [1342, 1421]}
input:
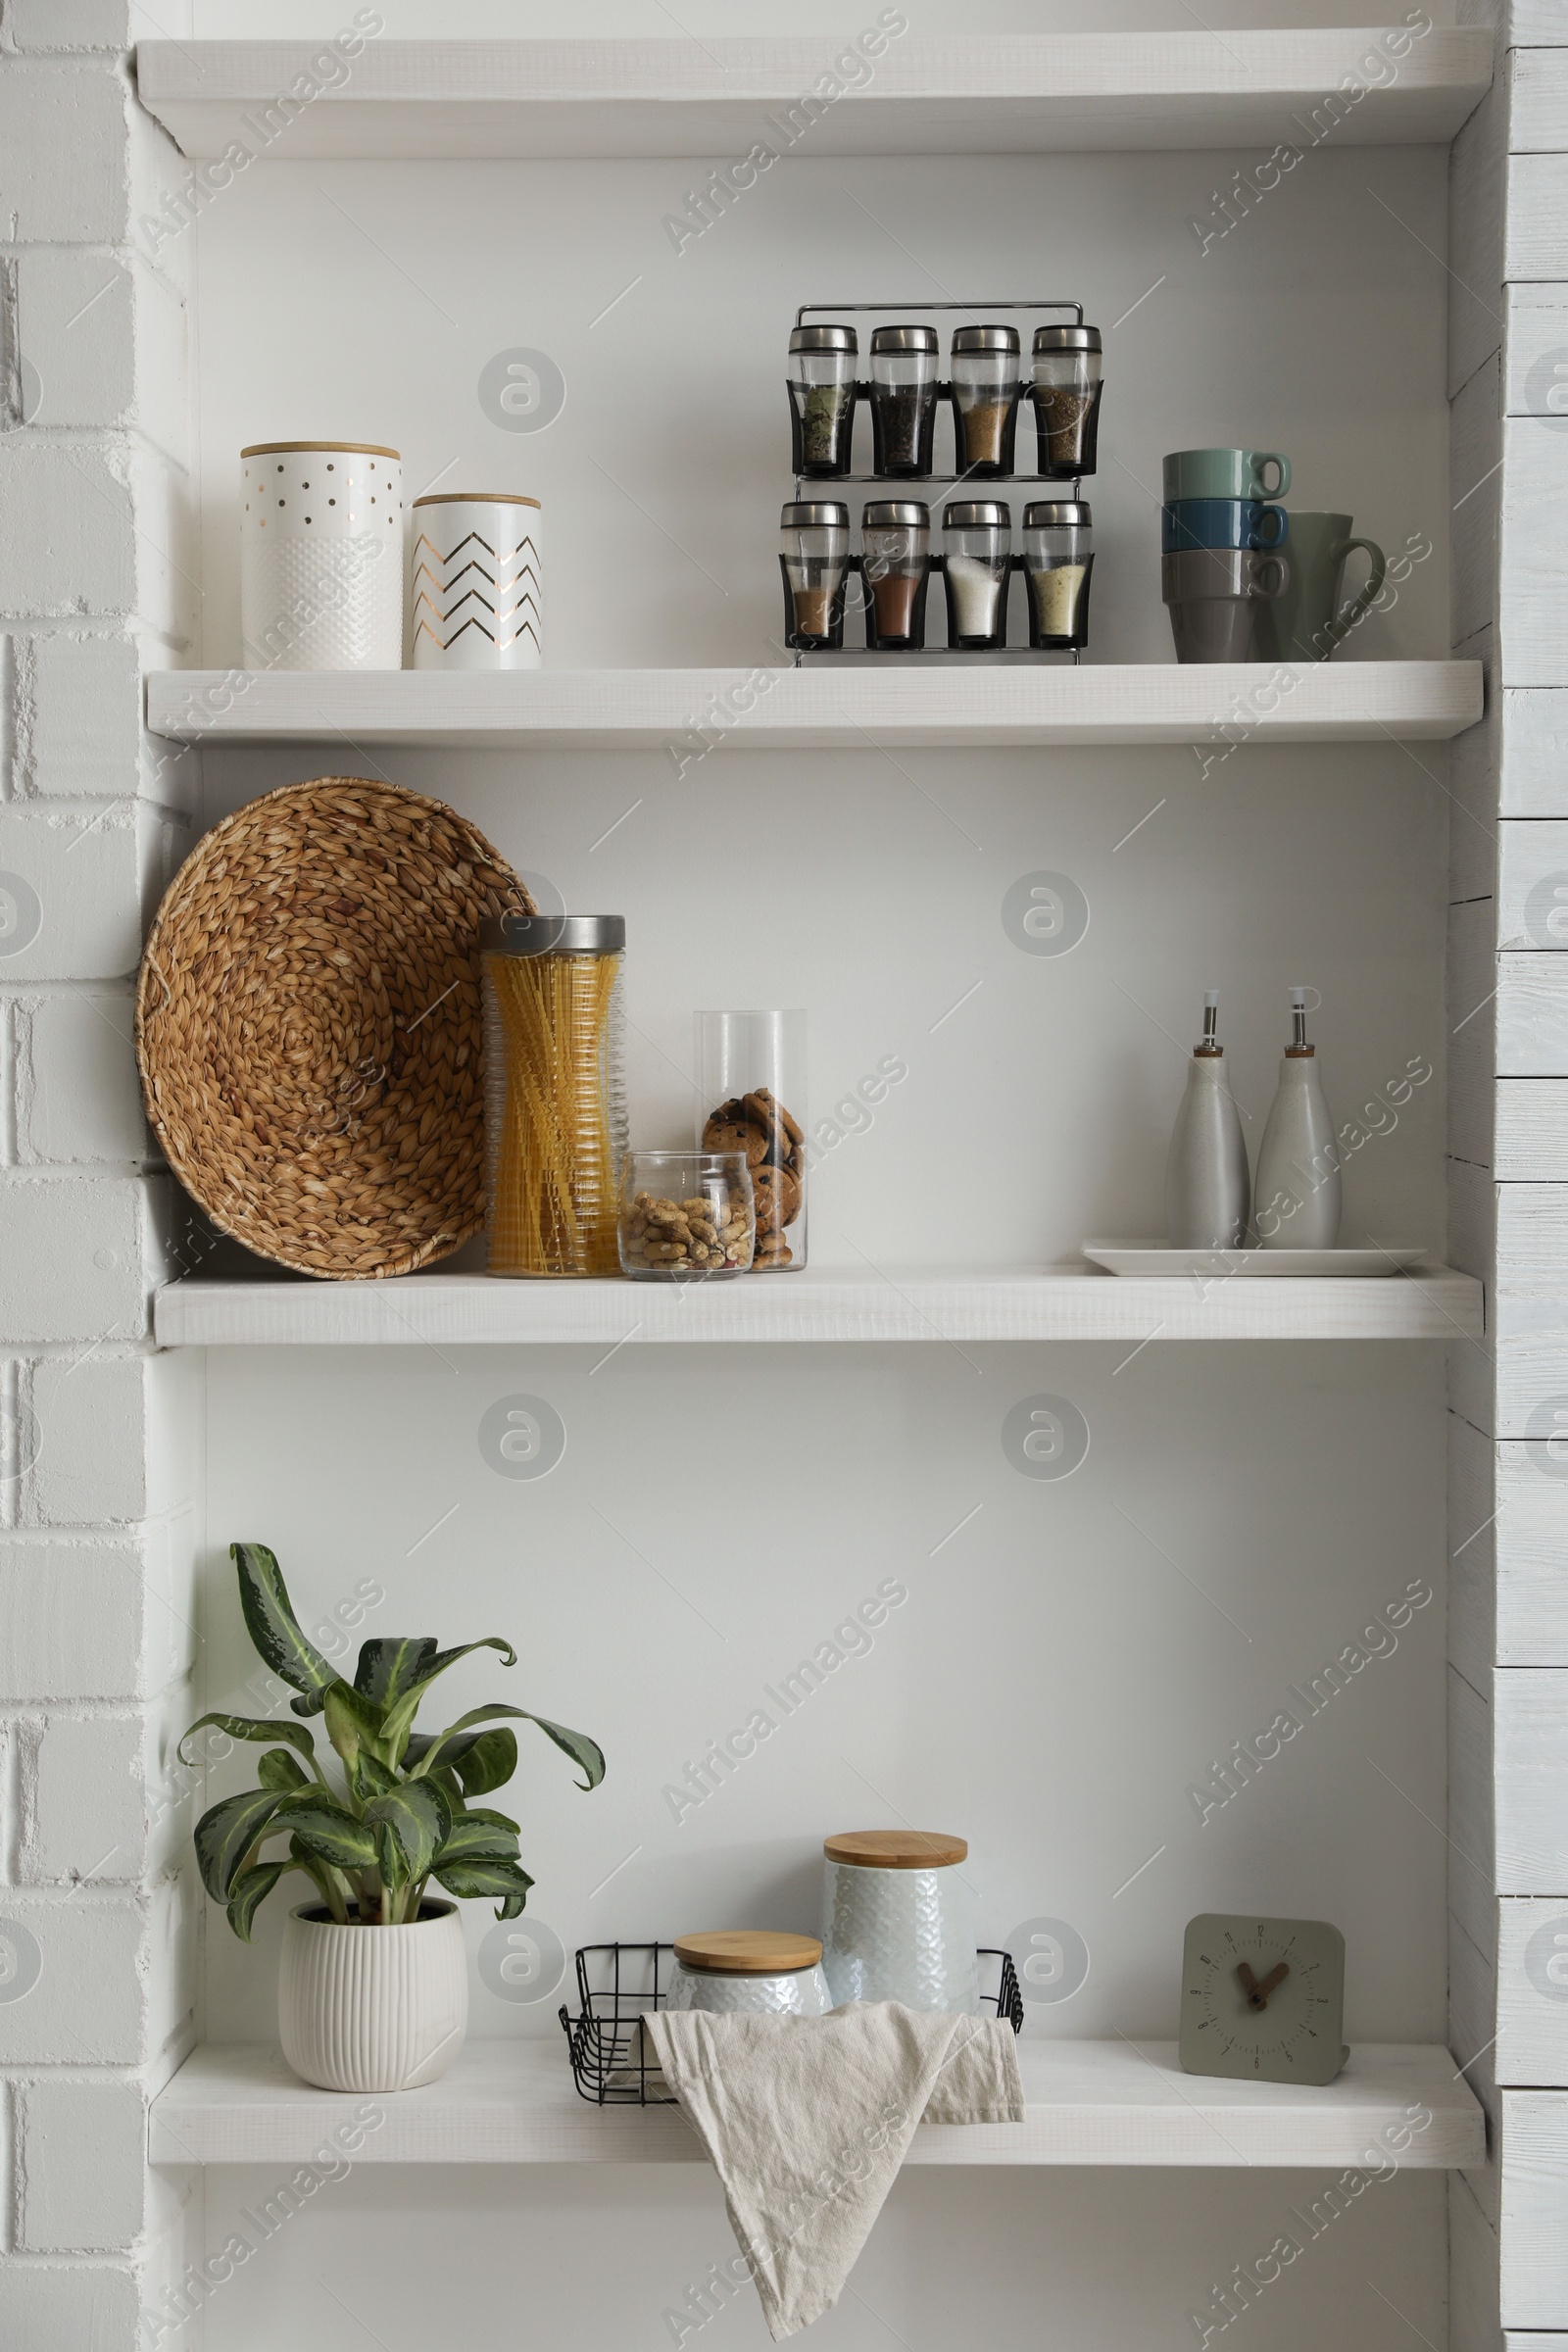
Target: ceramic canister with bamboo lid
{"type": "Point", "coordinates": [321, 555]}
{"type": "Point", "coordinates": [474, 581]}
{"type": "Point", "coordinates": [898, 1920]}
{"type": "Point", "coordinates": [750, 1969]}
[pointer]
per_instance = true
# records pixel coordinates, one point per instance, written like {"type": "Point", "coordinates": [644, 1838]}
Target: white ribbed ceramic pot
{"type": "Point", "coordinates": [475, 582]}
{"type": "Point", "coordinates": [898, 1935]}
{"type": "Point", "coordinates": [372, 2008]}
{"type": "Point", "coordinates": [802, 1992]}
{"type": "Point", "coordinates": [321, 555]}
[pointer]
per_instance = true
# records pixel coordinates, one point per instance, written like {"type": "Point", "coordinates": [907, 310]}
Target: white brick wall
{"type": "Point", "coordinates": [97, 1436]}
{"type": "Point", "coordinates": [1508, 1141]}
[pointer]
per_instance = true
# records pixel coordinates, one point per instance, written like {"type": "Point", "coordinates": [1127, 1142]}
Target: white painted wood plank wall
{"type": "Point", "coordinates": [1508, 1188]}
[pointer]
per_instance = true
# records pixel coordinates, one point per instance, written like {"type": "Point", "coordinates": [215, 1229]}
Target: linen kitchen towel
{"type": "Point", "coordinates": [807, 2120]}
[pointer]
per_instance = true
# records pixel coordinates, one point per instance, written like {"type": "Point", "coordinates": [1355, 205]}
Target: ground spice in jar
{"type": "Point", "coordinates": [897, 411]}
{"type": "Point", "coordinates": [893, 598]}
{"type": "Point", "coordinates": [1057, 593]}
{"type": "Point", "coordinates": [813, 610]}
{"type": "Point", "coordinates": [1061, 413]}
{"type": "Point", "coordinates": [976, 594]}
{"type": "Point", "coordinates": [983, 427]}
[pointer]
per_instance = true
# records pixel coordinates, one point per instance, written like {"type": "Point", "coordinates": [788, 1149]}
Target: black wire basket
{"type": "Point", "coordinates": [612, 2064]}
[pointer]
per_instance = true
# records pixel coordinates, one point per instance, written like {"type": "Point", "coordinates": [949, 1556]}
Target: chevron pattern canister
{"type": "Point", "coordinates": [475, 582]}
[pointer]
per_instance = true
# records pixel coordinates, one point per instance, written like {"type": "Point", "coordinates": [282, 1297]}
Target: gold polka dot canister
{"type": "Point", "coordinates": [321, 555]}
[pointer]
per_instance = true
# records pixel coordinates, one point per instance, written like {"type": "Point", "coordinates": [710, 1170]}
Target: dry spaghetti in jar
{"type": "Point", "coordinates": [555, 1092]}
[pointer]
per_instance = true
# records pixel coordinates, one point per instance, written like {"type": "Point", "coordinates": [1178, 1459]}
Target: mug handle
{"type": "Point", "coordinates": [1272, 520]}
{"type": "Point", "coordinates": [1342, 622]}
{"type": "Point", "coordinates": [1282, 578]}
{"type": "Point", "coordinates": [1263, 459]}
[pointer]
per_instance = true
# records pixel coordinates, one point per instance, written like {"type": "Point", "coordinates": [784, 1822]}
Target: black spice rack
{"type": "Point", "coordinates": [1051, 633]}
{"type": "Point", "coordinates": [808, 485]}
{"type": "Point", "coordinates": [612, 2064]}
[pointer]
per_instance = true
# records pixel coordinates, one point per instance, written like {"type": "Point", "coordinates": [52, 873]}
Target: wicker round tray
{"type": "Point", "coordinates": [308, 1025]}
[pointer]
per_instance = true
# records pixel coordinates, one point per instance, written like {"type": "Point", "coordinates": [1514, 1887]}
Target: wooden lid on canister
{"type": "Point", "coordinates": [896, 1849]}
{"type": "Point", "coordinates": [747, 1952]}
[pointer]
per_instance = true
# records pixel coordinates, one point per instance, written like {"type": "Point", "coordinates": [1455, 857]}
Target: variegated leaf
{"type": "Point", "coordinates": [352, 1722]}
{"type": "Point", "coordinates": [509, 1880]}
{"type": "Point", "coordinates": [417, 1818]}
{"type": "Point", "coordinates": [401, 1713]}
{"type": "Point", "coordinates": [273, 1629]}
{"type": "Point", "coordinates": [250, 1726]}
{"type": "Point", "coordinates": [249, 1891]}
{"type": "Point", "coordinates": [387, 1669]}
{"type": "Point", "coordinates": [582, 1750]}
{"type": "Point", "coordinates": [225, 1834]}
{"type": "Point", "coordinates": [474, 1837]}
{"type": "Point", "coordinates": [334, 1834]}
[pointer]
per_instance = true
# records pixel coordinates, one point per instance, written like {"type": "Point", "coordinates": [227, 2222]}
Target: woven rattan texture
{"type": "Point", "coordinates": [307, 1026]}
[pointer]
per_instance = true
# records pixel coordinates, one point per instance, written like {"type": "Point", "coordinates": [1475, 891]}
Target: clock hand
{"type": "Point", "coordinates": [1249, 1980]}
{"type": "Point", "coordinates": [1257, 1992]}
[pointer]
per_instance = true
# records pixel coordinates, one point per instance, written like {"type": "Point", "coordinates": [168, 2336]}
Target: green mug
{"type": "Point", "coordinates": [1226, 473]}
{"type": "Point", "coordinates": [1306, 623]}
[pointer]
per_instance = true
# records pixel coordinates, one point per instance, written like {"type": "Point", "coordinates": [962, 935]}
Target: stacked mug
{"type": "Point", "coordinates": [1220, 538]}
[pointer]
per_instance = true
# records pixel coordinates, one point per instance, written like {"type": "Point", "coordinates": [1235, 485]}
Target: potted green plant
{"type": "Point", "coordinates": [375, 1987]}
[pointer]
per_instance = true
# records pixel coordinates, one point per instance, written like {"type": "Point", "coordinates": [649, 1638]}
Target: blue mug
{"type": "Point", "coordinates": [1189, 522]}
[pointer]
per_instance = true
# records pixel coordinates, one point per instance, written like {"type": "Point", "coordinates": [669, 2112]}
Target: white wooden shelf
{"type": "Point", "coordinates": [1087, 2102]}
{"type": "Point", "coordinates": [1064, 1304]}
{"type": "Point", "coordinates": [999, 94]}
{"type": "Point", "coordinates": [819, 709]}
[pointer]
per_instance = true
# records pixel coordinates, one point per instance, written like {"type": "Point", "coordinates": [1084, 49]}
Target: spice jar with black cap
{"type": "Point", "coordinates": [895, 572]}
{"type": "Point", "coordinates": [814, 558]}
{"type": "Point", "coordinates": [976, 553]}
{"type": "Point", "coordinates": [985, 399]}
{"type": "Point", "coordinates": [1065, 389]}
{"type": "Point", "coordinates": [903, 399]}
{"type": "Point", "coordinates": [821, 386]}
{"type": "Point", "coordinates": [1056, 561]}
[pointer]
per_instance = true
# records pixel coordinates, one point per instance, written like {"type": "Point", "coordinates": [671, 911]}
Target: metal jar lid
{"type": "Point", "coordinates": [1066, 338]}
{"type": "Point", "coordinates": [554, 935]}
{"type": "Point", "coordinates": [905, 338]}
{"type": "Point", "coordinates": [823, 338]}
{"type": "Point", "coordinates": [896, 515]}
{"type": "Point", "coordinates": [1056, 514]}
{"type": "Point", "coordinates": [985, 338]}
{"type": "Point", "coordinates": [977, 515]}
{"type": "Point", "coordinates": [814, 514]}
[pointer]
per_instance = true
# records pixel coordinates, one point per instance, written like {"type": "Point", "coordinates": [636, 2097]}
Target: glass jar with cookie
{"type": "Point", "coordinates": [751, 1076]}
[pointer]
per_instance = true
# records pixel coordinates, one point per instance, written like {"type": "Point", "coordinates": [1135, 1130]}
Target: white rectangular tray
{"type": "Point", "coordinates": [1159, 1258]}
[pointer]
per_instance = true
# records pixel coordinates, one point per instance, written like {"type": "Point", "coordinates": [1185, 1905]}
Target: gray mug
{"type": "Point", "coordinates": [1306, 622]}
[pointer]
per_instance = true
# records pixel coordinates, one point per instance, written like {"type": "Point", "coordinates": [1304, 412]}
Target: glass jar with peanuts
{"type": "Point", "coordinates": [686, 1216]}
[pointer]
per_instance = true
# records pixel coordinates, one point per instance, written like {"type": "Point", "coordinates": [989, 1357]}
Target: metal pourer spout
{"type": "Point", "coordinates": [1298, 1046]}
{"type": "Point", "coordinates": [1210, 1044]}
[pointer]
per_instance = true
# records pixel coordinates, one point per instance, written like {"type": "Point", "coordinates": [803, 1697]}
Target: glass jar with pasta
{"type": "Point", "coordinates": [555, 1092]}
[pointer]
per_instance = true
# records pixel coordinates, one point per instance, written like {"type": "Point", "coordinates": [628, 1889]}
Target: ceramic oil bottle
{"type": "Point", "coordinates": [1205, 1173]}
{"type": "Point", "coordinates": [1299, 1163]}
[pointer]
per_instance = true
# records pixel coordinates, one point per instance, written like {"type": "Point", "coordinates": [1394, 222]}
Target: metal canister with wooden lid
{"type": "Point", "coordinates": [750, 1969]}
{"type": "Point", "coordinates": [898, 1920]}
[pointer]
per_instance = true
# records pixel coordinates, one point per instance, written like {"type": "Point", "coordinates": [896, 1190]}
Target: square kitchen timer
{"type": "Point", "coordinates": [1264, 2000]}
